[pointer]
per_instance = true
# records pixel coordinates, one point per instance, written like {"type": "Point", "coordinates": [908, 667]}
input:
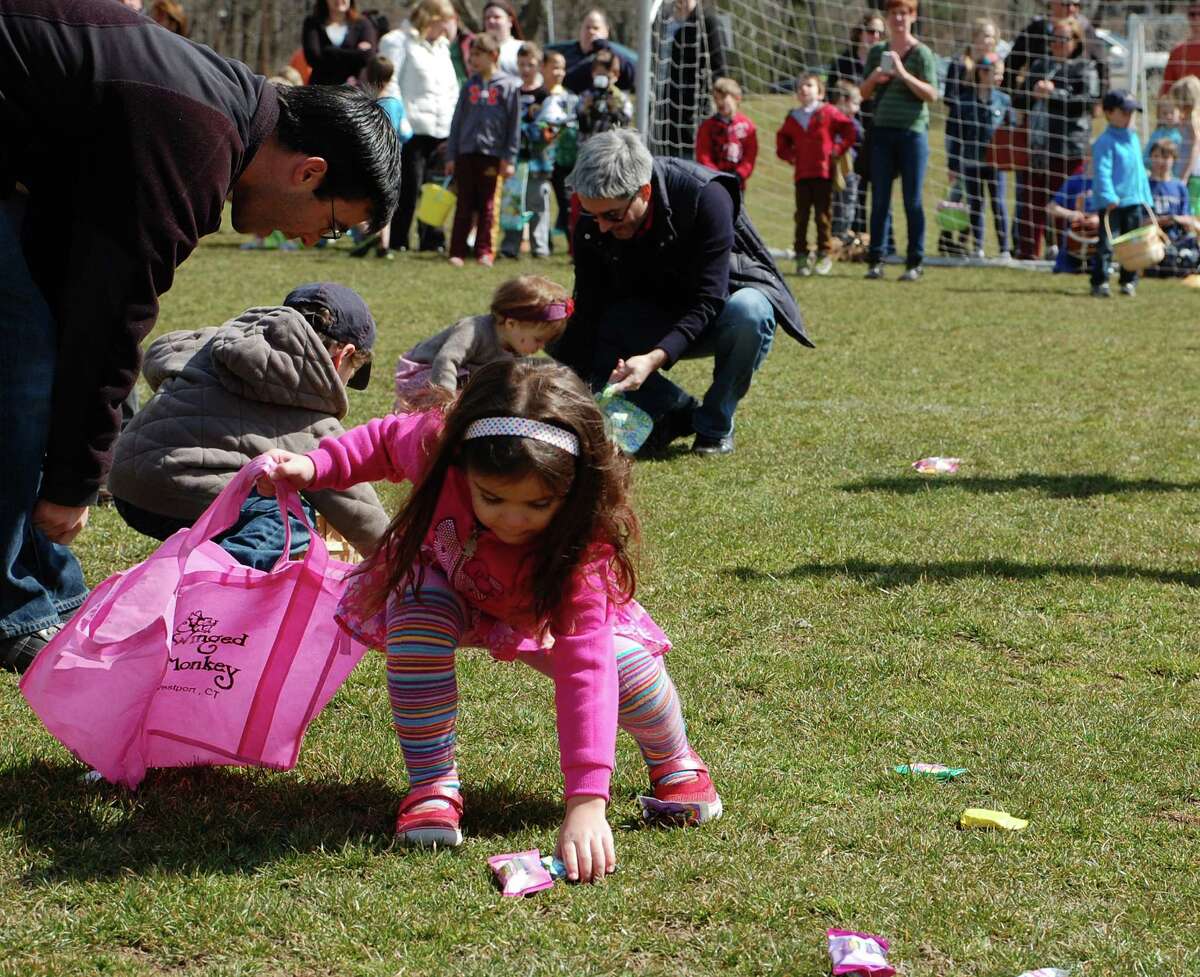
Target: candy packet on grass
{"type": "Point", "coordinates": [520, 873]}
{"type": "Point", "coordinates": [1046, 972]}
{"type": "Point", "coordinates": [938, 771]}
{"type": "Point", "coordinates": [981, 817]}
{"type": "Point", "coordinates": [672, 812]}
{"type": "Point", "coordinates": [554, 866]}
{"type": "Point", "coordinates": [859, 953]}
{"type": "Point", "coordinates": [937, 465]}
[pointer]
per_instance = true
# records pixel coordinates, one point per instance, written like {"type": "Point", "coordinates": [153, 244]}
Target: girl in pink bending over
{"type": "Point", "coordinates": [516, 538]}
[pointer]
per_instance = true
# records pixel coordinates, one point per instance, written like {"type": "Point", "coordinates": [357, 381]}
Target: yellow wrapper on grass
{"type": "Point", "coordinates": [981, 817]}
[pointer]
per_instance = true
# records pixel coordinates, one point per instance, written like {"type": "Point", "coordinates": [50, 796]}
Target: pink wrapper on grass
{"type": "Point", "coordinates": [859, 953]}
{"type": "Point", "coordinates": [936, 465]}
{"type": "Point", "coordinates": [520, 873]}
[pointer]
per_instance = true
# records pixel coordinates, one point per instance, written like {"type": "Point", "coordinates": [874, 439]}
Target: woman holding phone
{"type": "Point", "coordinates": [901, 81]}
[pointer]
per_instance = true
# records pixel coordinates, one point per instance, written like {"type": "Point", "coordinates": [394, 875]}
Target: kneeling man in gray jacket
{"type": "Point", "coordinates": [270, 378]}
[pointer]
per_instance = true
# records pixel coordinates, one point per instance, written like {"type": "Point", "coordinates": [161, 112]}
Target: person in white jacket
{"type": "Point", "coordinates": [420, 50]}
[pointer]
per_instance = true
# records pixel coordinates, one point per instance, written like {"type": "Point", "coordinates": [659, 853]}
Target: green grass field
{"type": "Point", "coordinates": [833, 614]}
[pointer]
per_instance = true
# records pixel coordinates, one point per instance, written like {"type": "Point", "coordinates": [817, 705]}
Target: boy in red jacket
{"type": "Point", "coordinates": [728, 141]}
{"type": "Point", "coordinates": [807, 141]}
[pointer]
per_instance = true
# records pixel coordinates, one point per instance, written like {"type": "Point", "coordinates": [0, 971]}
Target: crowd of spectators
{"type": "Point", "coordinates": [1026, 108]}
{"type": "Point", "coordinates": [1018, 115]}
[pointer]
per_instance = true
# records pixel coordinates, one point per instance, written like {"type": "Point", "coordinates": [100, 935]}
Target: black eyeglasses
{"type": "Point", "coordinates": [873, 30]}
{"type": "Point", "coordinates": [612, 216]}
{"type": "Point", "coordinates": [334, 233]}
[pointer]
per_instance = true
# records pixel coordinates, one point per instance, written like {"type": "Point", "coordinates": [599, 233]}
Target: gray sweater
{"type": "Point", "coordinates": [224, 396]}
{"type": "Point", "coordinates": [467, 345]}
{"type": "Point", "coordinates": [487, 119]}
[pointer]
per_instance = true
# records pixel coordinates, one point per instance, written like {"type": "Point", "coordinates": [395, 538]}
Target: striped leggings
{"type": "Point", "coordinates": [421, 642]}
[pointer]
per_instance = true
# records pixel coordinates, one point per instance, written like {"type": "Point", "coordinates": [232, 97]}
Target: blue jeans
{"type": "Point", "coordinates": [255, 540]}
{"type": "Point", "coordinates": [905, 153]}
{"type": "Point", "coordinates": [845, 206]}
{"type": "Point", "coordinates": [974, 179]}
{"type": "Point", "coordinates": [738, 342]}
{"type": "Point", "coordinates": [40, 581]}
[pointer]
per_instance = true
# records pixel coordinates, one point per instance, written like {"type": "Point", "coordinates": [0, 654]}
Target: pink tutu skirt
{"type": "Point", "coordinates": [413, 378]}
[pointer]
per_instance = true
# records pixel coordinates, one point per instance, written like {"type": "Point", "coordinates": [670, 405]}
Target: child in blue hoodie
{"type": "Point", "coordinates": [1120, 188]}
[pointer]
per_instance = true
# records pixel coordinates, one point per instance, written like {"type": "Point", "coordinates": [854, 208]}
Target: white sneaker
{"type": "Point", "coordinates": [978, 254]}
{"type": "Point", "coordinates": [824, 266]}
{"type": "Point", "coordinates": [1005, 256]}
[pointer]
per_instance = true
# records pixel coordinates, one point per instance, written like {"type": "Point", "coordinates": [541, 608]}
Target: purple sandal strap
{"type": "Point", "coordinates": [431, 792]}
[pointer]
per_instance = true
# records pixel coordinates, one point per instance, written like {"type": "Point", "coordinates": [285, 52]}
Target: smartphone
{"type": "Point", "coordinates": [887, 62]}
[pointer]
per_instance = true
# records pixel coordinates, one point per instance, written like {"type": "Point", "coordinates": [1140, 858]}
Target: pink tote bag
{"type": "Point", "coordinates": [191, 658]}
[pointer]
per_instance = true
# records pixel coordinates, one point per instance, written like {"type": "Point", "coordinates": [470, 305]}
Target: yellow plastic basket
{"type": "Point", "coordinates": [436, 203]}
{"type": "Point", "coordinates": [1143, 247]}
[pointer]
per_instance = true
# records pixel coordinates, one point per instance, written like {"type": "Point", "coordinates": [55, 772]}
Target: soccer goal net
{"type": "Point", "coordinates": [1007, 146]}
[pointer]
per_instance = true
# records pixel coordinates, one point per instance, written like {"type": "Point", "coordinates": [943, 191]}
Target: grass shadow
{"type": "Point", "coordinates": [214, 820]}
{"type": "Point", "coordinates": [200, 819]}
{"type": "Point", "coordinates": [494, 808]}
{"type": "Point", "coordinates": [1078, 486]}
{"type": "Point", "coordinates": [906, 574]}
{"type": "Point", "coordinates": [1068, 292]}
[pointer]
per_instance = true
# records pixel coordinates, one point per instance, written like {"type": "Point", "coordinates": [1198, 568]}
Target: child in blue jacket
{"type": "Point", "coordinates": [1120, 187]}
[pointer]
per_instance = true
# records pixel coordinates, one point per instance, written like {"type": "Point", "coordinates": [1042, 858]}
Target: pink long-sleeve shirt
{"type": "Point", "coordinates": [493, 577]}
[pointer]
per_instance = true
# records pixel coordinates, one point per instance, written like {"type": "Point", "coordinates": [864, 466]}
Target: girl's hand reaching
{"type": "Point", "coordinates": [585, 841]}
{"type": "Point", "coordinates": [297, 470]}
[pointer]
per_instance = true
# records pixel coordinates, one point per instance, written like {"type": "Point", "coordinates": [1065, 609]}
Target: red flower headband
{"type": "Point", "coordinates": [545, 313]}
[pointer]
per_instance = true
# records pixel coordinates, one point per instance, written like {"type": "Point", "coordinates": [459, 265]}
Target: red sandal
{"type": "Point", "coordinates": [690, 801]}
{"type": "Point", "coordinates": [431, 828]}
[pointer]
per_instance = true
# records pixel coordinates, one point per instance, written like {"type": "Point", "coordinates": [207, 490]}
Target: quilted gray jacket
{"type": "Point", "coordinates": [225, 395]}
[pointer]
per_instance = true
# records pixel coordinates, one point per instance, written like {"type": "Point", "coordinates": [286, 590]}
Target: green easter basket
{"type": "Point", "coordinates": [953, 217]}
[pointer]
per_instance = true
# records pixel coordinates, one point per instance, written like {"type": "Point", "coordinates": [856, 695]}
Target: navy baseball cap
{"type": "Point", "coordinates": [352, 320]}
{"type": "Point", "coordinates": [1118, 98]}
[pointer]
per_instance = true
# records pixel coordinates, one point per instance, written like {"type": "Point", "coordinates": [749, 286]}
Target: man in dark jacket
{"type": "Point", "coordinates": [121, 143]}
{"type": "Point", "coordinates": [668, 265]}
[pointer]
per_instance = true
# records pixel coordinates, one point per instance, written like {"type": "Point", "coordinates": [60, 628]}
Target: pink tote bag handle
{"type": "Point", "coordinates": [224, 511]}
{"type": "Point", "coordinates": [220, 516]}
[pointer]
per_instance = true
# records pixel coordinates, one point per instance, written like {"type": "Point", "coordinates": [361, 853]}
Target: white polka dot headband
{"type": "Point", "coordinates": [523, 427]}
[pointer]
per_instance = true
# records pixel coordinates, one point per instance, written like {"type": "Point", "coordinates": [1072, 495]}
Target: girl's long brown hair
{"type": "Point", "coordinates": [594, 486]}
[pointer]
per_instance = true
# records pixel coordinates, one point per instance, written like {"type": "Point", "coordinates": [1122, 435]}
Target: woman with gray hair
{"type": "Point", "coordinates": [668, 265]}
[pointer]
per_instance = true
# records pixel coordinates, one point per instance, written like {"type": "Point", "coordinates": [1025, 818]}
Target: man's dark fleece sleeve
{"type": "Point", "coordinates": [134, 217]}
{"type": "Point", "coordinates": [711, 244]}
